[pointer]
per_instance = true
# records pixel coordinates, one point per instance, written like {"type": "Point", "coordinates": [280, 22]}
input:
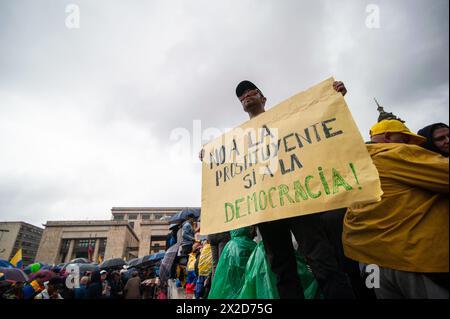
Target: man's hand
{"type": "Point", "coordinates": [340, 87]}
{"type": "Point", "coordinates": [201, 155]}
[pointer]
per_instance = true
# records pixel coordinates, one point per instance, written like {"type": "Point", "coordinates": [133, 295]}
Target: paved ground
{"type": "Point", "coordinates": [177, 293]}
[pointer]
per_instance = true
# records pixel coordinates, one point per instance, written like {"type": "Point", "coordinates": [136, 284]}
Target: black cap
{"type": "Point", "coordinates": [244, 86]}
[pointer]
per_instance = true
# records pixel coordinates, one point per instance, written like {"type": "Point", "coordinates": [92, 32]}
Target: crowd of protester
{"type": "Point", "coordinates": [98, 284]}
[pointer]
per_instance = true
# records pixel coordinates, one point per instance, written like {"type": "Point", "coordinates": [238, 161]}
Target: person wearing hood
{"type": "Point", "coordinates": [95, 288]}
{"type": "Point", "coordinates": [437, 138]}
{"type": "Point", "coordinates": [405, 234]}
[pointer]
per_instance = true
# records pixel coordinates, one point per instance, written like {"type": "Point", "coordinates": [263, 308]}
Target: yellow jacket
{"type": "Point", "coordinates": [408, 229]}
{"type": "Point", "coordinates": [205, 262]}
{"type": "Point", "coordinates": [191, 261]}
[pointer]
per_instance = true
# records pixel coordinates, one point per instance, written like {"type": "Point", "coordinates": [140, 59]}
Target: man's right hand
{"type": "Point", "coordinates": [339, 86]}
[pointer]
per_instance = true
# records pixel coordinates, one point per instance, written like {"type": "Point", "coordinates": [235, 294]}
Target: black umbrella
{"type": "Point", "coordinates": [181, 216]}
{"type": "Point", "coordinates": [167, 263]}
{"type": "Point", "coordinates": [147, 260]}
{"type": "Point", "coordinates": [84, 267]}
{"type": "Point", "coordinates": [15, 274]}
{"type": "Point", "coordinates": [113, 263]}
{"type": "Point", "coordinates": [135, 261]}
{"type": "Point", "coordinates": [80, 261]}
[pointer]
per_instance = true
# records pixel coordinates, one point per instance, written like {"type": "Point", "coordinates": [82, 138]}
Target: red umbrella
{"type": "Point", "coordinates": [45, 274]}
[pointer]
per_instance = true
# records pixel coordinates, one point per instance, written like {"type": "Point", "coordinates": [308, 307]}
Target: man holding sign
{"type": "Point", "coordinates": [283, 167]}
{"type": "Point", "coordinates": [307, 230]}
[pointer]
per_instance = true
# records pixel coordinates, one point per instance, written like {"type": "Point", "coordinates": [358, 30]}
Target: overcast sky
{"type": "Point", "coordinates": [86, 114]}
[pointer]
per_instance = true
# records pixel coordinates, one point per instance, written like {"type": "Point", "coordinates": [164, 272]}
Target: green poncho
{"type": "Point", "coordinates": [229, 276]}
{"type": "Point", "coordinates": [260, 281]}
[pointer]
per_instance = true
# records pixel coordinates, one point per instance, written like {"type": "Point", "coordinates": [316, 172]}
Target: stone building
{"type": "Point", "coordinates": [63, 241]}
{"type": "Point", "coordinates": [14, 235]}
{"type": "Point", "coordinates": [150, 224]}
{"type": "Point", "coordinates": [131, 232]}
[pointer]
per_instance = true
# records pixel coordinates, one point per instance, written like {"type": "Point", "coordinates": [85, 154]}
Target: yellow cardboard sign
{"type": "Point", "coordinates": [303, 156]}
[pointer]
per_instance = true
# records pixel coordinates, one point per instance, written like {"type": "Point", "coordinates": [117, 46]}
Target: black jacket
{"type": "Point", "coordinates": [94, 290]}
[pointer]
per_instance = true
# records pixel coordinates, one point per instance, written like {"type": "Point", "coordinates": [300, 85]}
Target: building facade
{"type": "Point", "coordinates": [63, 241]}
{"type": "Point", "coordinates": [15, 235]}
{"type": "Point", "coordinates": [151, 225]}
{"type": "Point", "coordinates": [131, 232]}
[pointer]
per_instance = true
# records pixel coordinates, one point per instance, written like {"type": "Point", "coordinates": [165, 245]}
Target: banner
{"type": "Point", "coordinates": [303, 156]}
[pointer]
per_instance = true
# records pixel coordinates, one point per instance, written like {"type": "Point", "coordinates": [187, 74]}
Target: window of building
{"type": "Point", "coordinates": [132, 216]}
{"type": "Point", "coordinates": [64, 249]}
{"type": "Point", "coordinates": [146, 216]}
{"type": "Point", "coordinates": [158, 216]}
{"type": "Point", "coordinates": [84, 243]}
{"type": "Point", "coordinates": [118, 217]}
{"type": "Point", "coordinates": [65, 243]}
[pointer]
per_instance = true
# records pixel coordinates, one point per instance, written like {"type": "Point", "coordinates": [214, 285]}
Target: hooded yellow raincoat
{"type": "Point", "coordinates": [408, 229]}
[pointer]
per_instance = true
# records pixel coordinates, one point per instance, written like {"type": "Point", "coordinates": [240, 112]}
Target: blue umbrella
{"type": "Point", "coordinates": [5, 264]}
{"type": "Point", "coordinates": [157, 256]}
{"type": "Point", "coordinates": [181, 216]}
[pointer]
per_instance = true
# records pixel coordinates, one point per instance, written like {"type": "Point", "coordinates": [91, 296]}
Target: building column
{"type": "Point", "coordinates": [70, 252]}
{"type": "Point", "coordinates": [96, 249]}
{"type": "Point", "coordinates": [145, 240]}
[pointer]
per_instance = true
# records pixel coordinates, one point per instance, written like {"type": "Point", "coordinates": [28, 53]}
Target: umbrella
{"type": "Point", "coordinates": [113, 263]}
{"type": "Point", "coordinates": [157, 256]}
{"type": "Point", "coordinates": [46, 275]}
{"type": "Point", "coordinates": [83, 268]}
{"type": "Point", "coordinates": [146, 260]}
{"type": "Point", "coordinates": [5, 264]}
{"type": "Point", "coordinates": [15, 274]}
{"type": "Point", "coordinates": [167, 262]}
{"type": "Point", "coordinates": [56, 269]}
{"type": "Point", "coordinates": [127, 273]}
{"type": "Point", "coordinates": [32, 268]}
{"type": "Point", "coordinates": [80, 261]}
{"type": "Point", "coordinates": [181, 216]}
{"type": "Point", "coordinates": [135, 261]}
